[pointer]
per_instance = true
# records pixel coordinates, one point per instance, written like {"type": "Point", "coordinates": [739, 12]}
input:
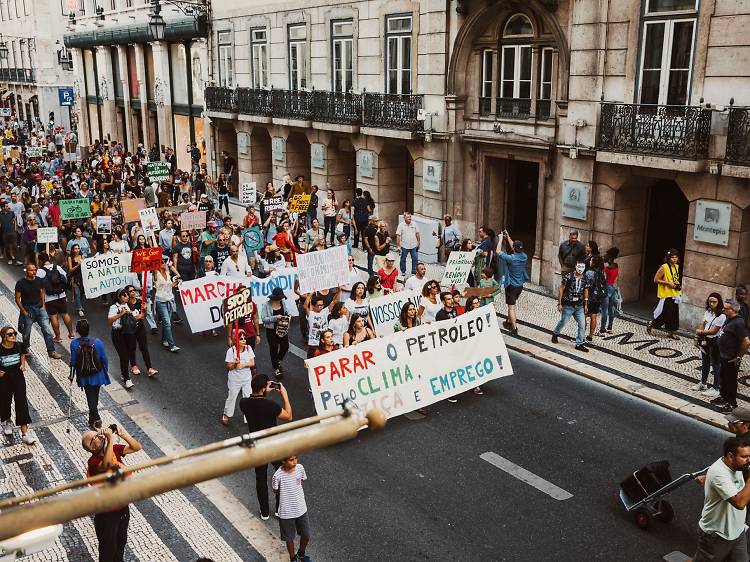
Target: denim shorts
{"type": "Point", "coordinates": [290, 528]}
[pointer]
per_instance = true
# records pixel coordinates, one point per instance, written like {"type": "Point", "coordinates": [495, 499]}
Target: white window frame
{"type": "Point", "coordinates": [547, 55]}
{"type": "Point", "coordinates": [344, 42]}
{"type": "Point", "coordinates": [259, 58]}
{"type": "Point", "coordinates": [516, 71]}
{"type": "Point", "coordinates": [404, 43]}
{"type": "Point", "coordinates": [666, 57]}
{"type": "Point", "coordinates": [225, 52]}
{"type": "Point", "coordinates": [298, 75]}
{"type": "Point", "coordinates": [485, 87]}
{"type": "Point", "coordinates": [648, 11]}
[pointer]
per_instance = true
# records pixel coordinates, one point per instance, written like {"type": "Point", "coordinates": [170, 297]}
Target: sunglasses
{"type": "Point", "coordinates": [9, 334]}
{"type": "Point", "coordinates": [241, 338]}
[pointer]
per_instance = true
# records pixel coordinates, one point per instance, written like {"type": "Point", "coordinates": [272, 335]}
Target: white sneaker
{"type": "Point", "coordinates": [8, 427]}
{"type": "Point", "coordinates": [710, 393]}
{"type": "Point", "coordinates": [28, 438]}
{"type": "Point", "coordinates": [265, 517]}
{"type": "Point", "coordinates": [129, 384]}
{"type": "Point", "coordinates": [698, 386]}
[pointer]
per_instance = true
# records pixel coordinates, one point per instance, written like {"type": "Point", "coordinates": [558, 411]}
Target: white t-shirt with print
{"type": "Point", "coordinates": [317, 322]}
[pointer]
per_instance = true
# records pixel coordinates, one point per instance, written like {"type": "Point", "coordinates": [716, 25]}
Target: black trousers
{"type": "Point", "coordinates": [277, 347]}
{"type": "Point", "coordinates": [303, 324]}
{"type": "Point", "coordinates": [112, 534]}
{"type": "Point", "coordinates": [125, 346]}
{"type": "Point", "coordinates": [142, 343]}
{"type": "Point", "coordinates": [92, 399]}
{"type": "Point", "coordinates": [361, 226]}
{"type": "Point", "coordinates": [329, 224]}
{"type": "Point", "coordinates": [13, 387]}
{"type": "Point", "coordinates": [669, 317]}
{"type": "Point", "coordinates": [728, 382]}
{"type": "Point", "coordinates": [261, 487]}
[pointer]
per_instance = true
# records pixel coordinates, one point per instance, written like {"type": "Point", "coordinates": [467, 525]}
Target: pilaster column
{"type": "Point", "coordinates": [79, 90]}
{"type": "Point", "coordinates": [106, 92]}
{"type": "Point", "coordinates": [140, 70]}
{"type": "Point", "coordinates": [130, 141]}
{"type": "Point", "coordinates": [163, 94]}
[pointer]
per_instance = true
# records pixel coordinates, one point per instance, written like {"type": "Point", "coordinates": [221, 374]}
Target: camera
{"type": "Point", "coordinates": [276, 385]}
{"type": "Point", "coordinates": [113, 427]}
{"type": "Point", "coordinates": [678, 286]}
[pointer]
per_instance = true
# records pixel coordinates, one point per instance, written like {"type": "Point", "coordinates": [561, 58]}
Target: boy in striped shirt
{"type": "Point", "coordinates": [287, 482]}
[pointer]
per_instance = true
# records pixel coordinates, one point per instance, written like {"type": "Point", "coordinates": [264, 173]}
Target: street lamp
{"type": "Point", "coordinates": [157, 27]}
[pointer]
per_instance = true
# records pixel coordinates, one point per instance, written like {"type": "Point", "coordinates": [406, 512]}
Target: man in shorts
{"type": "Point", "coordinates": [293, 521]}
{"type": "Point", "coordinates": [515, 277]}
{"type": "Point", "coordinates": [55, 301]}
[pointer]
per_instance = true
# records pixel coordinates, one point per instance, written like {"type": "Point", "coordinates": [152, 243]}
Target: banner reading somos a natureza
{"type": "Point", "coordinates": [399, 373]}
{"type": "Point", "coordinates": [105, 274]}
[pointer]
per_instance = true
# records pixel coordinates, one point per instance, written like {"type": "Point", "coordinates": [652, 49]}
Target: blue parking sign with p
{"type": "Point", "coordinates": [66, 96]}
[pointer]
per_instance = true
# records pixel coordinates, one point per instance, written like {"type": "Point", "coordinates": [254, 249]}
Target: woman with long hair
{"type": "Point", "coordinates": [165, 304]}
{"type": "Point", "coordinates": [430, 302]}
{"type": "Point", "coordinates": [374, 288]}
{"type": "Point", "coordinates": [75, 278]}
{"type": "Point", "coordinates": [13, 384]}
{"type": "Point", "coordinates": [668, 280]}
{"type": "Point", "coordinates": [239, 361]}
{"type": "Point", "coordinates": [122, 321]}
{"type": "Point", "coordinates": [326, 344]}
{"type": "Point", "coordinates": [139, 336]}
{"type": "Point", "coordinates": [609, 304]}
{"type": "Point", "coordinates": [330, 208]}
{"type": "Point", "coordinates": [707, 339]}
{"type": "Point", "coordinates": [358, 331]}
{"type": "Point", "coordinates": [344, 217]}
{"type": "Point", "coordinates": [407, 318]}
{"type": "Point", "coordinates": [597, 284]}
{"type": "Point", "coordinates": [338, 322]}
{"type": "Point", "coordinates": [358, 303]}
{"type": "Point", "coordinates": [285, 242]}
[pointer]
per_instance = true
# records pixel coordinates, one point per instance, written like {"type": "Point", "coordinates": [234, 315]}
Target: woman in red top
{"type": "Point", "coordinates": [251, 219]}
{"type": "Point", "coordinates": [388, 275]}
{"type": "Point", "coordinates": [611, 273]}
{"type": "Point", "coordinates": [326, 344]}
{"type": "Point", "coordinates": [285, 243]}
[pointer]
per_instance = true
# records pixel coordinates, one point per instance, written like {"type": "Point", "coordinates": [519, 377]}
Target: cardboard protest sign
{"type": "Point", "coordinates": [237, 305]}
{"type": "Point", "coordinates": [202, 298]}
{"type": "Point", "coordinates": [252, 239]}
{"type": "Point", "coordinates": [46, 235]}
{"type": "Point", "coordinates": [74, 209]}
{"type": "Point", "coordinates": [104, 224]}
{"type": "Point", "coordinates": [481, 292]}
{"type": "Point", "coordinates": [274, 203]}
{"type": "Point", "coordinates": [457, 269]}
{"type": "Point", "coordinates": [105, 274]}
{"type": "Point", "coordinates": [299, 203]}
{"type": "Point", "coordinates": [158, 171]}
{"type": "Point", "coordinates": [193, 221]}
{"type": "Point", "coordinates": [323, 269]}
{"type": "Point", "coordinates": [384, 310]}
{"type": "Point", "coordinates": [15, 154]}
{"type": "Point", "coordinates": [408, 370]}
{"type": "Point", "coordinates": [146, 259]}
{"type": "Point", "coordinates": [248, 193]}
{"type": "Point", "coordinates": [176, 209]}
{"type": "Point", "coordinates": [149, 219]}
{"type": "Point", "coordinates": [130, 208]}
{"type": "Point", "coordinates": [35, 152]}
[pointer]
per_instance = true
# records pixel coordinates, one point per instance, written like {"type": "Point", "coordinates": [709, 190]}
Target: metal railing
{"type": "Point", "coordinates": [738, 136]}
{"type": "Point", "coordinates": [543, 109]}
{"type": "Point", "coordinates": [17, 74]}
{"type": "Point", "coordinates": [370, 109]}
{"type": "Point", "coordinates": [513, 108]}
{"type": "Point", "coordinates": [657, 130]}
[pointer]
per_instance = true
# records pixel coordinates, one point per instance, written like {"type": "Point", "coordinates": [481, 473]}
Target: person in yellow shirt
{"type": "Point", "coordinates": [668, 282]}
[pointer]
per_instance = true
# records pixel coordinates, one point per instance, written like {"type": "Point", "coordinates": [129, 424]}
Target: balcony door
{"type": "Point", "coordinates": [666, 62]}
{"type": "Point", "coordinates": [515, 82]}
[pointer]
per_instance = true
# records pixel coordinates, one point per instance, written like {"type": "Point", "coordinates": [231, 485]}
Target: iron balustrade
{"type": "Point", "coordinates": [657, 130]}
{"type": "Point", "coordinates": [513, 108]}
{"type": "Point", "coordinates": [292, 104]}
{"type": "Point", "coordinates": [392, 111]}
{"type": "Point", "coordinates": [337, 107]}
{"type": "Point", "coordinates": [17, 74]}
{"type": "Point", "coordinates": [252, 101]}
{"type": "Point", "coordinates": [543, 109]}
{"type": "Point", "coordinates": [220, 99]}
{"type": "Point", "coordinates": [485, 106]}
{"type": "Point", "coordinates": [738, 136]}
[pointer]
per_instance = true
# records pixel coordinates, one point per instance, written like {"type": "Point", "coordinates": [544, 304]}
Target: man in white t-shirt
{"type": "Point", "coordinates": [407, 242]}
{"type": "Point", "coordinates": [317, 319]}
{"type": "Point", "coordinates": [416, 282]}
{"type": "Point", "coordinates": [721, 533]}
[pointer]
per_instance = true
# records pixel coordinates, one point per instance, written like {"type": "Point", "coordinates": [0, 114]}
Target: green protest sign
{"type": "Point", "coordinates": [73, 209]}
{"type": "Point", "coordinates": [158, 171]}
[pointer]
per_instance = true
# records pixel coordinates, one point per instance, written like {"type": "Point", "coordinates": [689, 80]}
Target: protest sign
{"type": "Point", "coordinates": [104, 224]}
{"type": "Point", "coordinates": [481, 292]}
{"type": "Point", "coordinates": [237, 305]}
{"type": "Point", "coordinates": [105, 274]}
{"type": "Point", "coordinates": [149, 219]}
{"type": "Point", "coordinates": [35, 152]}
{"type": "Point", "coordinates": [177, 209]}
{"type": "Point", "coordinates": [384, 310]}
{"type": "Point", "coordinates": [146, 259]}
{"type": "Point", "coordinates": [299, 203]}
{"type": "Point", "coordinates": [457, 269]}
{"type": "Point", "coordinates": [413, 369]}
{"type": "Point", "coordinates": [74, 209]}
{"type": "Point", "coordinates": [46, 235]}
{"type": "Point", "coordinates": [15, 154]}
{"type": "Point", "coordinates": [195, 220]}
{"type": "Point", "coordinates": [158, 171]}
{"type": "Point", "coordinates": [130, 208]}
{"type": "Point", "coordinates": [274, 204]}
{"type": "Point", "coordinates": [248, 193]}
{"type": "Point", "coordinates": [323, 269]}
{"type": "Point", "coordinates": [202, 298]}
{"type": "Point", "coordinates": [252, 238]}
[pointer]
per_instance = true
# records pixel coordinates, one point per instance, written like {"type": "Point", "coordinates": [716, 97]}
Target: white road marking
{"type": "Point", "coordinates": [676, 556]}
{"type": "Point", "coordinates": [298, 351]}
{"type": "Point", "coordinates": [525, 476]}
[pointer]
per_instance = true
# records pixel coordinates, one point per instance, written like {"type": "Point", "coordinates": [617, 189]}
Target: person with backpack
{"type": "Point", "coordinates": [123, 324]}
{"type": "Point", "coordinates": [597, 283]}
{"type": "Point", "coordinates": [276, 319]}
{"type": "Point", "coordinates": [89, 364]}
{"type": "Point", "coordinates": [55, 303]}
{"type": "Point", "coordinates": [30, 297]}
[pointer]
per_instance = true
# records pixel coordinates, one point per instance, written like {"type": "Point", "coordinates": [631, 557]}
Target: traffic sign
{"type": "Point", "coordinates": [66, 96]}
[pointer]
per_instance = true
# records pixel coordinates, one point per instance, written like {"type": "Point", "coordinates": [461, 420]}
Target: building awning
{"type": "Point", "coordinates": [177, 30]}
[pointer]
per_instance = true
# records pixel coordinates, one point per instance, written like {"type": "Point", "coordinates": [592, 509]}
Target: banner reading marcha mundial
{"type": "Point", "coordinates": [105, 274]}
{"type": "Point", "coordinates": [412, 369]}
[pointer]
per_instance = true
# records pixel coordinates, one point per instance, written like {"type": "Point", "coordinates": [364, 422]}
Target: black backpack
{"type": "Point", "coordinates": [54, 282]}
{"type": "Point", "coordinates": [88, 362]}
{"type": "Point", "coordinates": [598, 287]}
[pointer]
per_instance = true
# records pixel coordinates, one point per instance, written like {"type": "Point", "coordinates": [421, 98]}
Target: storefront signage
{"type": "Point", "coordinates": [575, 200]}
{"type": "Point", "coordinates": [432, 171]}
{"type": "Point", "coordinates": [712, 220]}
{"type": "Point", "coordinates": [317, 150]}
{"type": "Point", "coordinates": [365, 160]}
{"type": "Point", "coordinates": [277, 149]}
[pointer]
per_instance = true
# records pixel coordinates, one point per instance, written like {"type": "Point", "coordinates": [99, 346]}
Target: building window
{"type": "Point", "coordinates": [297, 56]}
{"type": "Point", "coordinates": [545, 75]}
{"type": "Point", "coordinates": [485, 88]}
{"type": "Point", "coordinates": [670, 6]}
{"type": "Point", "coordinates": [518, 26]}
{"type": "Point", "coordinates": [342, 33]}
{"type": "Point", "coordinates": [259, 55]}
{"type": "Point", "coordinates": [398, 30]}
{"type": "Point", "coordinates": [516, 72]}
{"type": "Point", "coordinates": [226, 60]}
{"type": "Point", "coordinates": [666, 61]}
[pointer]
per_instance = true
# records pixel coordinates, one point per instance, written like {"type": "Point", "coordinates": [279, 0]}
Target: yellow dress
{"type": "Point", "coordinates": [671, 274]}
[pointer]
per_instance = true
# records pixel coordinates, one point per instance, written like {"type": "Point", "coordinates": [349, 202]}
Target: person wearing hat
{"type": "Point", "coordinates": [276, 318]}
{"type": "Point", "coordinates": [388, 274]}
{"type": "Point", "coordinates": [515, 275]}
{"type": "Point", "coordinates": [208, 239]}
{"type": "Point", "coordinates": [204, 204]}
{"type": "Point", "coordinates": [123, 324]}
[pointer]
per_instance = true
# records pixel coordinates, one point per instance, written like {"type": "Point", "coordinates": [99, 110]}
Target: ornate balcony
{"type": "Point", "coordinates": [738, 136]}
{"type": "Point", "coordinates": [371, 110]}
{"type": "Point", "coordinates": [513, 108]}
{"type": "Point", "coordinates": [656, 130]}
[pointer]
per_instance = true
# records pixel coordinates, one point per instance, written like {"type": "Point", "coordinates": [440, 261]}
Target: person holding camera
{"type": "Point", "coordinates": [668, 280]}
{"type": "Point", "coordinates": [706, 339]}
{"type": "Point", "coordinates": [111, 526]}
{"type": "Point", "coordinates": [261, 413]}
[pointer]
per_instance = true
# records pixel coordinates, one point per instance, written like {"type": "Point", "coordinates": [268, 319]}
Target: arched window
{"type": "Point", "coordinates": [518, 26]}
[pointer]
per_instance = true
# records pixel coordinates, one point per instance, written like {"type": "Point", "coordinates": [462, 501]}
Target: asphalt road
{"type": "Point", "coordinates": [420, 491]}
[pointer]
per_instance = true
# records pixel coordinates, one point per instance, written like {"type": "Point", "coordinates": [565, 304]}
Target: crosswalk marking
{"type": "Point", "coordinates": [525, 476]}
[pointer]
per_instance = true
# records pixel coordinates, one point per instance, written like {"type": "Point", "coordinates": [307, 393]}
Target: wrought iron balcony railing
{"type": "Point", "coordinates": [543, 109]}
{"type": "Point", "coordinates": [657, 130]}
{"type": "Point", "coordinates": [17, 74]}
{"type": "Point", "coordinates": [513, 108]}
{"type": "Point", "coordinates": [738, 136]}
{"type": "Point", "coordinates": [372, 110]}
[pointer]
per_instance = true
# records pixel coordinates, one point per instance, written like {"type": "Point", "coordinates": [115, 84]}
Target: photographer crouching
{"type": "Point", "coordinates": [111, 526]}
